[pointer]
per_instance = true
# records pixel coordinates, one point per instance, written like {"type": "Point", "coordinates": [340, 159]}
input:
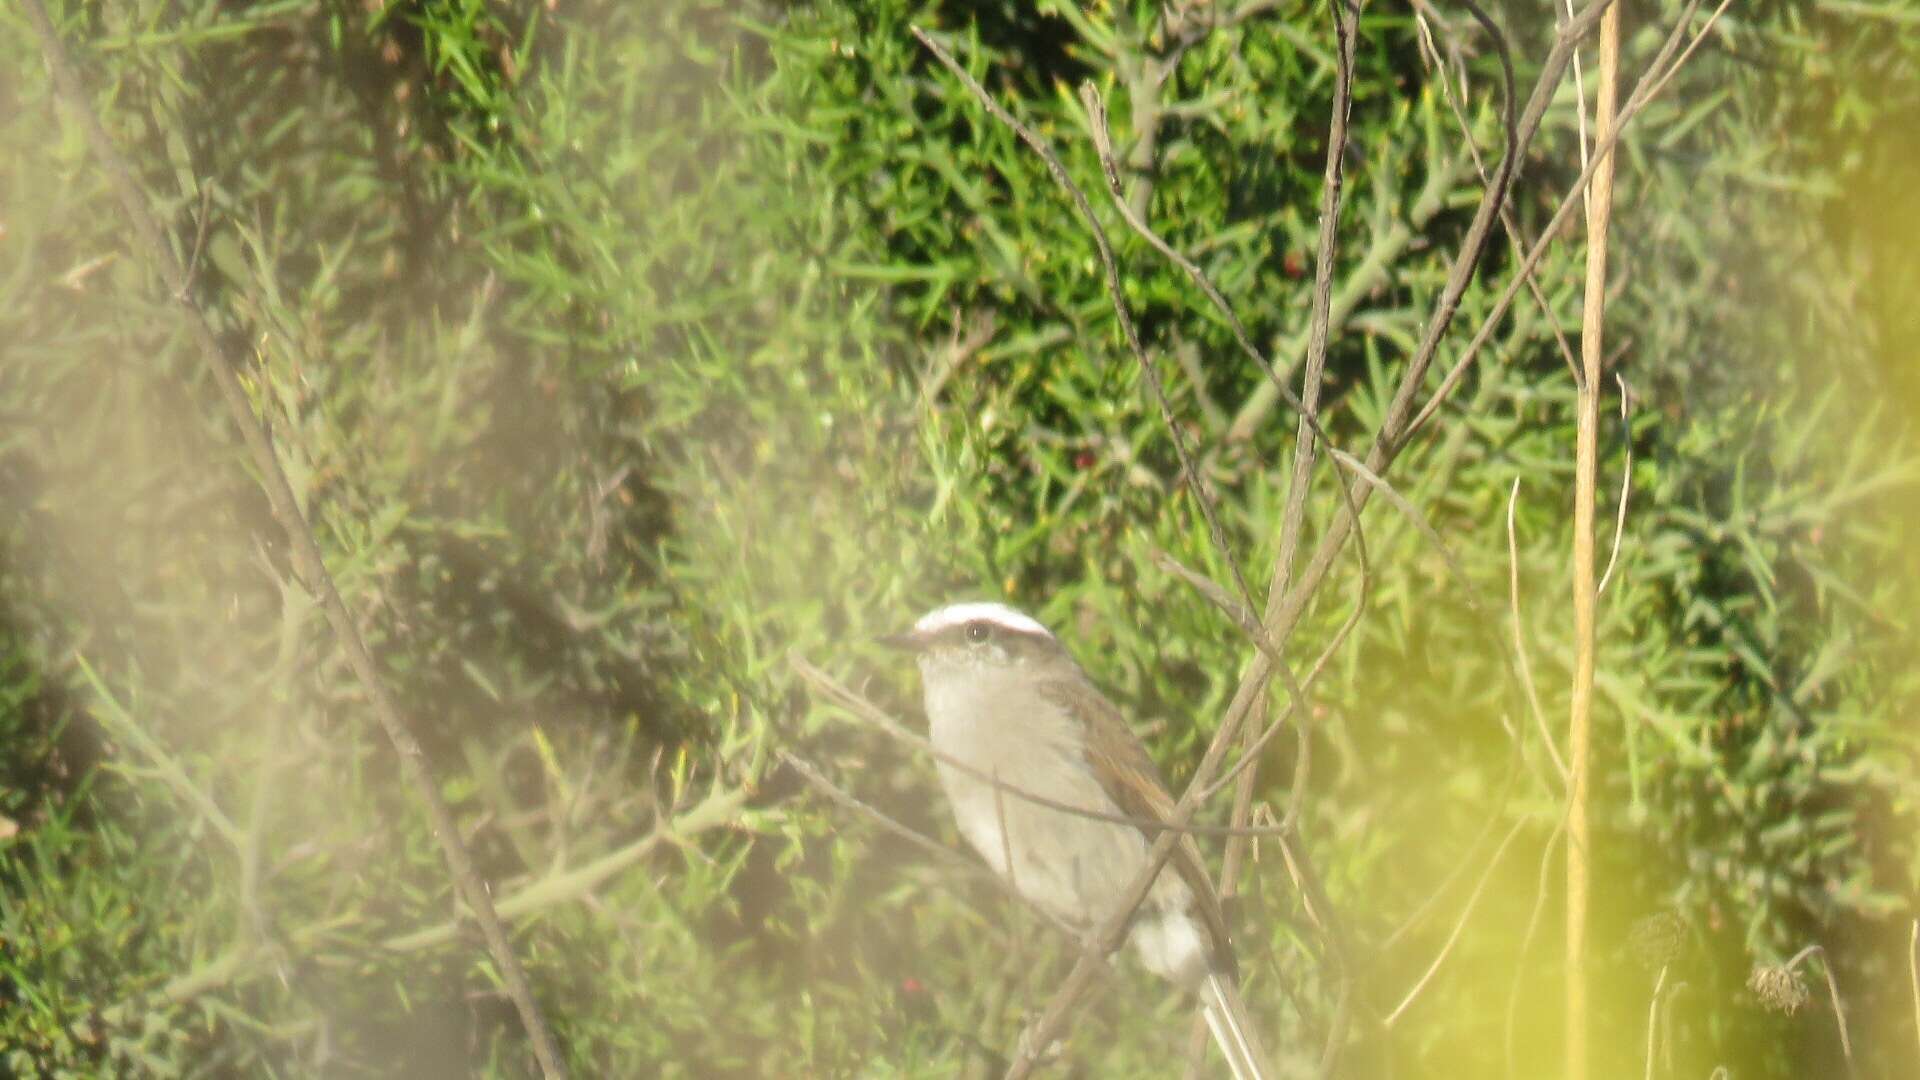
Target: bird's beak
{"type": "Point", "coordinates": [907, 642]}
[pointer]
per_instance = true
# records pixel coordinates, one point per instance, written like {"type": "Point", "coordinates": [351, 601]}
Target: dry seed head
{"type": "Point", "coordinates": [1778, 988]}
{"type": "Point", "coordinates": [1656, 939]}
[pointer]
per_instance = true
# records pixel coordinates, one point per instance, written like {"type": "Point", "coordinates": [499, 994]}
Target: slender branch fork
{"type": "Point", "coordinates": [308, 561]}
{"type": "Point", "coordinates": [1289, 597]}
{"type": "Point", "coordinates": [1311, 435]}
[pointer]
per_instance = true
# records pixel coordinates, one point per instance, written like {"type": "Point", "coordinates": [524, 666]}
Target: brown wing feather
{"type": "Point", "coordinates": [1126, 771]}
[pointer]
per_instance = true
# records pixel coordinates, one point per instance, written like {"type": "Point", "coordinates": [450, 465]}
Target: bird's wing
{"type": "Point", "coordinates": [1128, 774]}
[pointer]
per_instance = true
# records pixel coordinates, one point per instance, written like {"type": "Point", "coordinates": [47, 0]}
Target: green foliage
{"type": "Point", "coordinates": [618, 352]}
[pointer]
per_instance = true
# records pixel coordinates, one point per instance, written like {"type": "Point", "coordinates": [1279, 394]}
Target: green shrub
{"type": "Point", "coordinates": [618, 352]}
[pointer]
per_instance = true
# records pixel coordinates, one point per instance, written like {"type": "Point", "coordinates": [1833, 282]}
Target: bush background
{"type": "Point", "coordinates": [616, 351]}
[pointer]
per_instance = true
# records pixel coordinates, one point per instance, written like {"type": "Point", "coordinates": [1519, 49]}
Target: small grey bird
{"type": "Point", "coordinates": [1004, 697]}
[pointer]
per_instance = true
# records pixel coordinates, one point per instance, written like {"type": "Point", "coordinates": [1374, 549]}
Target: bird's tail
{"type": "Point", "coordinates": [1232, 1028]}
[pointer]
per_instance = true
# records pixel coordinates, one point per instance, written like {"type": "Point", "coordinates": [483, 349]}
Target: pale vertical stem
{"type": "Point", "coordinates": [1913, 972]}
{"type": "Point", "coordinates": [1653, 1017]}
{"type": "Point", "coordinates": [1586, 466]}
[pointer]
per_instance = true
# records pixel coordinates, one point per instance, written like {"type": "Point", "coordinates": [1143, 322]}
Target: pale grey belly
{"type": "Point", "coordinates": [1074, 867]}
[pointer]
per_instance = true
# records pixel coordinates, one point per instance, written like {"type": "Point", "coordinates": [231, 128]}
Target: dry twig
{"type": "Point", "coordinates": [1661, 71]}
{"type": "Point", "coordinates": [1653, 1017]}
{"type": "Point", "coordinates": [1284, 616]}
{"type": "Point", "coordinates": [1626, 486]}
{"type": "Point", "coordinates": [872, 714]}
{"type": "Point", "coordinates": [1913, 973]}
{"type": "Point", "coordinates": [1459, 926]}
{"type": "Point", "coordinates": [816, 777]}
{"type": "Point", "coordinates": [1526, 940]}
{"type": "Point", "coordinates": [1516, 238]}
{"type": "Point", "coordinates": [1520, 642]}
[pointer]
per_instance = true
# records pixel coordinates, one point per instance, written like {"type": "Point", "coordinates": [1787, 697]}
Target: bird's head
{"type": "Point", "coordinates": [979, 638]}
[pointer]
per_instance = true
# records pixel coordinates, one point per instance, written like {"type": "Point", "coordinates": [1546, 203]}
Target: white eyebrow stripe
{"type": "Point", "coordinates": [960, 614]}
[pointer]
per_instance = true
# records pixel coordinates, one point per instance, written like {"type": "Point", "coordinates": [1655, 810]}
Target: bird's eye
{"type": "Point", "coordinates": [978, 632]}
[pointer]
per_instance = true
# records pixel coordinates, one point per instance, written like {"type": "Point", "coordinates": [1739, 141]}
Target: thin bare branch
{"type": "Point", "coordinates": [1659, 73]}
{"type": "Point", "coordinates": [1653, 1017]}
{"type": "Point", "coordinates": [1346, 19]}
{"type": "Point", "coordinates": [1913, 972]}
{"type": "Point", "coordinates": [1413, 514]}
{"type": "Point", "coordinates": [1461, 866]}
{"type": "Point", "coordinates": [1579, 107]}
{"type": "Point", "coordinates": [1626, 486]}
{"type": "Point", "coordinates": [1669, 73]}
{"type": "Point", "coordinates": [1839, 1013]}
{"type": "Point", "coordinates": [1520, 640]}
{"type": "Point", "coordinates": [1284, 616]}
{"type": "Point", "coordinates": [1516, 237]}
{"type": "Point", "coordinates": [817, 778]}
{"type": "Point", "coordinates": [1666, 1023]}
{"type": "Point", "coordinates": [1337, 1029]}
{"type": "Point", "coordinates": [873, 715]}
{"type": "Point", "coordinates": [1241, 615]}
{"type": "Point", "coordinates": [1520, 969]}
{"type": "Point", "coordinates": [1195, 483]}
{"type": "Point", "coordinates": [1473, 900]}
{"type": "Point", "coordinates": [1315, 360]}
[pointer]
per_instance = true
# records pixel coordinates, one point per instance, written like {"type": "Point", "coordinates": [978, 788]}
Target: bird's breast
{"type": "Point", "coordinates": [1005, 731]}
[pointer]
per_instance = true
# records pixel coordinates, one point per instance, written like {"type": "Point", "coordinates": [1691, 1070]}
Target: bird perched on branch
{"type": "Point", "coordinates": [1005, 702]}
